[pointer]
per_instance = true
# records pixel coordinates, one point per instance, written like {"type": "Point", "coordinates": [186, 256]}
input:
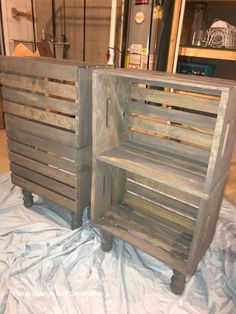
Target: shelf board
{"type": "Point", "coordinates": [135, 159]}
{"type": "Point", "coordinates": [208, 53]}
{"type": "Point", "coordinates": [147, 235]}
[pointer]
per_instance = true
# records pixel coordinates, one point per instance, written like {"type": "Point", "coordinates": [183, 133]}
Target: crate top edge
{"type": "Point", "coordinates": [63, 62]}
{"type": "Point", "coordinates": [189, 80]}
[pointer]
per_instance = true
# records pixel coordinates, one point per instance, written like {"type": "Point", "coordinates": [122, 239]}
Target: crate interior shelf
{"type": "Point", "coordinates": [161, 151]}
{"type": "Point", "coordinates": [221, 54]}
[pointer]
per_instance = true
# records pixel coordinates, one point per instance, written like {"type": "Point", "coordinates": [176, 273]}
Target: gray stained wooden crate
{"type": "Point", "coordinates": [47, 106]}
{"type": "Point", "coordinates": [162, 145]}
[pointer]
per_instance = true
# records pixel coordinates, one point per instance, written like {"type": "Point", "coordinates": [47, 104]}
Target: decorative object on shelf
{"type": "Point", "coordinates": [198, 23]}
{"type": "Point", "coordinates": [15, 14]}
{"type": "Point", "coordinates": [221, 34]}
{"type": "Point", "coordinates": [194, 68]}
{"type": "Point", "coordinates": [155, 184]}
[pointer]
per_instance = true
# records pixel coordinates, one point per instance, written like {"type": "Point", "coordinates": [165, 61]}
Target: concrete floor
{"type": "Point", "coordinates": [230, 189]}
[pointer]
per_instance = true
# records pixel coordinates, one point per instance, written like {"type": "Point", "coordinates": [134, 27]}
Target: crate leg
{"type": "Point", "coordinates": [76, 220]}
{"type": "Point", "coordinates": [28, 198]}
{"type": "Point", "coordinates": [178, 281]}
{"type": "Point", "coordinates": [107, 241]}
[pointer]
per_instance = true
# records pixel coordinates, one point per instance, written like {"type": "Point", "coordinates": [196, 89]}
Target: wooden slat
{"type": "Point", "coordinates": [40, 101]}
{"type": "Point", "coordinates": [44, 192]}
{"type": "Point", "coordinates": [39, 115]}
{"type": "Point", "coordinates": [174, 192]}
{"type": "Point", "coordinates": [146, 207]}
{"type": "Point", "coordinates": [170, 204]}
{"type": "Point", "coordinates": [44, 144]}
{"type": "Point", "coordinates": [196, 154]}
{"type": "Point", "coordinates": [160, 228]}
{"type": "Point", "coordinates": [163, 158]}
{"type": "Point", "coordinates": [134, 227]}
{"type": "Point", "coordinates": [40, 67]}
{"type": "Point", "coordinates": [38, 85]}
{"type": "Point", "coordinates": [43, 169]}
{"type": "Point", "coordinates": [176, 132]}
{"type": "Point", "coordinates": [178, 116]}
{"type": "Point", "coordinates": [135, 238]}
{"type": "Point", "coordinates": [147, 167]}
{"type": "Point", "coordinates": [46, 158]}
{"type": "Point", "coordinates": [175, 99]}
{"type": "Point", "coordinates": [40, 130]}
{"type": "Point", "coordinates": [222, 54]}
{"type": "Point", "coordinates": [44, 181]}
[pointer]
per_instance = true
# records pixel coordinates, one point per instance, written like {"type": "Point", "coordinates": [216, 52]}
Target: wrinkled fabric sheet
{"type": "Point", "coordinates": [47, 268]}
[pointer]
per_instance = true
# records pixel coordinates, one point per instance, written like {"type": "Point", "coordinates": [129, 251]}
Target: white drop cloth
{"type": "Point", "coordinates": [47, 268]}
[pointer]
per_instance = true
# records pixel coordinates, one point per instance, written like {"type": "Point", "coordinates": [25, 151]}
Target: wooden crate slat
{"type": "Point", "coordinates": [166, 159]}
{"type": "Point", "coordinates": [162, 200]}
{"type": "Point", "coordinates": [43, 144]}
{"type": "Point", "coordinates": [162, 229]}
{"type": "Point", "coordinates": [196, 154]}
{"type": "Point", "coordinates": [146, 167]}
{"type": "Point", "coordinates": [41, 101]}
{"type": "Point", "coordinates": [44, 192]}
{"type": "Point", "coordinates": [178, 116]}
{"type": "Point", "coordinates": [136, 239]}
{"type": "Point", "coordinates": [44, 181]}
{"type": "Point", "coordinates": [38, 85]}
{"type": "Point", "coordinates": [194, 83]}
{"type": "Point", "coordinates": [48, 171]}
{"type": "Point", "coordinates": [174, 192]}
{"type": "Point", "coordinates": [175, 99]}
{"type": "Point", "coordinates": [37, 67]}
{"type": "Point", "coordinates": [176, 132]}
{"type": "Point", "coordinates": [146, 207]}
{"type": "Point", "coordinates": [39, 115]}
{"type": "Point", "coordinates": [40, 130]}
{"type": "Point", "coordinates": [150, 235]}
{"type": "Point", "coordinates": [44, 157]}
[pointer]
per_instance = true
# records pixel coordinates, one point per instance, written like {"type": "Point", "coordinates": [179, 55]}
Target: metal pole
{"type": "Point", "coordinates": [53, 29]}
{"type": "Point", "coordinates": [150, 34]}
{"type": "Point", "coordinates": [3, 48]}
{"type": "Point", "coordinates": [33, 23]}
{"type": "Point", "coordinates": [125, 32]}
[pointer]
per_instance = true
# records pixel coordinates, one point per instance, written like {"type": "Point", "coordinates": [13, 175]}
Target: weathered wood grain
{"type": "Point", "coordinates": [175, 99]}
{"type": "Point", "coordinates": [37, 67]}
{"type": "Point", "coordinates": [42, 144]}
{"type": "Point", "coordinates": [156, 211]}
{"type": "Point", "coordinates": [43, 157]}
{"type": "Point", "coordinates": [159, 172]}
{"type": "Point", "coordinates": [178, 116]}
{"type": "Point", "coordinates": [176, 132]}
{"type": "Point", "coordinates": [39, 101]}
{"type": "Point", "coordinates": [38, 85]}
{"type": "Point", "coordinates": [39, 115]}
{"type": "Point", "coordinates": [48, 171]}
{"type": "Point", "coordinates": [43, 131]}
{"type": "Point", "coordinates": [44, 181]}
{"type": "Point", "coordinates": [44, 192]}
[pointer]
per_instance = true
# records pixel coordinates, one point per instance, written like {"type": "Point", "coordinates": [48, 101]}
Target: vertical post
{"type": "Point", "coordinates": [176, 28]}
{"type": "Point", "coordinates": [84, 32]}
{"type": "Point", "coordinates": [53, 29]}
{"type": "Point", "coordinates": [33, 24]}
{"type": "Point", "coordinates": [111, 48]}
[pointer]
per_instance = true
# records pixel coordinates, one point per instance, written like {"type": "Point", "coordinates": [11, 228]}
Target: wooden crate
{"type": "Point", "coordinates": [47, 105]}
{"type": "Point", "coordinates": [162, 145]}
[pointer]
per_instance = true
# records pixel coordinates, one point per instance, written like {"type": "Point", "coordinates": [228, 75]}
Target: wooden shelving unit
{"type": "Point", "coordinates": [152, 185]}
{"type": "Point", "coordinates": [220, 54]}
